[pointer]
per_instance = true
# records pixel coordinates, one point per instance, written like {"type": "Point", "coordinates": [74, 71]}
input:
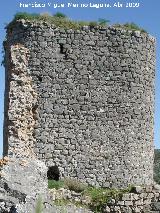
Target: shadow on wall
{"type": "Point", "coordinates": [53, 173]}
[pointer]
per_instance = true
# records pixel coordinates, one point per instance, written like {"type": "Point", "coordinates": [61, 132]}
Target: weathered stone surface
{"type": "Point", "coordinates": [91, 114]}
{"type": "Point", "coordinates": [80, 100]}
{"type": "Point", "coordinates": [129, 202]}
{"type": "Point", "coordinates": [22, 181]}
{"type": "Point", "coordinates": [20, 104]}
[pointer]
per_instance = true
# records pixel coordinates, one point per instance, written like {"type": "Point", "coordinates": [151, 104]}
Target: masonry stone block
{"type": "Point", "coordinates": [97, 85]}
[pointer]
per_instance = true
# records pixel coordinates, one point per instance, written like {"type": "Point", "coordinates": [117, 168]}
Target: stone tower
{"type": "Point", "coordinates": [82, 100]}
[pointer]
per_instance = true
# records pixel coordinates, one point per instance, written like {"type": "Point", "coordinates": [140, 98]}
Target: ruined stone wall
{"type": "Point", "coordinates": [19, 104]}
{"type": "Point", "coordinates": [92, 114]}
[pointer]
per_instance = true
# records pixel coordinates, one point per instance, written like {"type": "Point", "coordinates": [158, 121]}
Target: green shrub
{"type": "Point", "coordinates": [60, 15]}
{"type": "Point", "coordinates": [74, 185]}
{"type": "Point", "coordinates": [103, 22]}
{"type": "Point", "coordinates": [101, 196]}
{"type": "Point", "coordinates": [55, 184]}
{"type": "Point", "coordinates": [98, 198]}
{"type": "Point", "coordinates": [25, 16]}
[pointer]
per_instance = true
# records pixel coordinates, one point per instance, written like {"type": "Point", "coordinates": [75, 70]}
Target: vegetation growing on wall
{"type": "Point", "coordinates": [130, 26]}
{"type": "Point", "coordinates": [61, 20]}
{"type": "Point", "coordinates": [99, 196]}
{"type": "Point", "coordinates": [58, 19]}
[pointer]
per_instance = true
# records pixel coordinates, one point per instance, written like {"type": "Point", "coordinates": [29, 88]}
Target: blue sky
{"type": "Point", "coordinates": [147, 16]}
